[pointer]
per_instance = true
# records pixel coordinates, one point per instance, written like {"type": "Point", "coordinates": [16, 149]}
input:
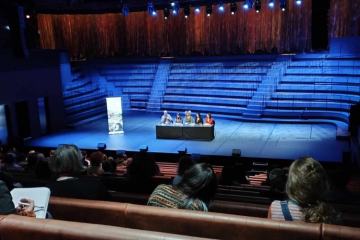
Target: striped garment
{"type": "Point", "coordinates": [277, 214]}
{"type": "Point", "coordinates": [167, 196]}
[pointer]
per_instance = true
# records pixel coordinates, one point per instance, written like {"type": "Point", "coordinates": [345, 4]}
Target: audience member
{"type": "Point", "coordinates": [306, 188]}
{"type": "Point", "coordinates": [195, 191]}
{"type": "Point", "coordinates": [277, 180]}
{"type": "Point", "coordinates": [42, 170]}
{"type": "Point", "coordinates": [108, 168]}
{"type": "Point", "coordinates": [184, 164]}
{"type": "Point", "coordinates": [10, 165]}
{"type": "Point", "coordinates": [32, 159]}
{"type": "Point", "coordinates": [96, 158]}
{"type": "Point", "coordinates": [85, 161]}
{"type": "Point", "coordinates": [121, 158]}
{"type": "Point", "coordinates": [51, 153]}
{"type": "Point", "coordinates": [140, 173]}
{"type": "Point", "coordinates": [21, 160]}
{"type": "Point", "coordinates": [67, 163]}
{"type": "Point", "coordinates": [338, 192]}
{"type": "Point", "coordinates": [233, 174]}
{"type": "Point", "coordinates": [113, 166]}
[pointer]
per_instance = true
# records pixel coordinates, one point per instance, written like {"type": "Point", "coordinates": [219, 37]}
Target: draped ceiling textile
{"type": "Point", "coordinates": [344, 18]}
{"type": "Point", "coordinates": [112, 35]}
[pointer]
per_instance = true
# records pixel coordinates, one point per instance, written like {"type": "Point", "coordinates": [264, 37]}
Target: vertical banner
{"type": "Point", "coordinates": [114, 112]}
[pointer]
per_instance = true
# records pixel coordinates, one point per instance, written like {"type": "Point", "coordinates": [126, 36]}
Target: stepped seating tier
{"type": "Point", "coordinates": [219, 71]}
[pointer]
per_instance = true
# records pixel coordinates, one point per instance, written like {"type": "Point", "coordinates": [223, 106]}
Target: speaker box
{"type": "Point", "coordinates": [236, 153]}
{"type": "Point", "coordinates": [101, 146]}
{"type": "Point", "coordinates": [17, 31]}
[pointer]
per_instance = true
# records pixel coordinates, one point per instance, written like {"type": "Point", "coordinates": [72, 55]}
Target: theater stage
{"type": "Point", "coordinates": [263, 140]}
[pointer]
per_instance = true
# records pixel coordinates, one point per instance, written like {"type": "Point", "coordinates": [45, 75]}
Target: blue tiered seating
{"type": "Point", "coordinates": [134, 79]}
{"type": "Point", "coordinates": [219, 85]}
{"type": "Point", "coordinates": [323, 89]}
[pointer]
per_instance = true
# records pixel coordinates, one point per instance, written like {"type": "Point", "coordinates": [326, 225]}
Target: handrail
{"type": "Point", "coordinates": [302, 113]}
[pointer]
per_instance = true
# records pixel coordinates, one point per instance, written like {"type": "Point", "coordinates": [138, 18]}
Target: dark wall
{"type": "Point", "coordinates": [30, 79]}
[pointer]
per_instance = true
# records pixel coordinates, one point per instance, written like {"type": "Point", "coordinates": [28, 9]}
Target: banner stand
{"type": "Point", "coordinates": [114, 114]}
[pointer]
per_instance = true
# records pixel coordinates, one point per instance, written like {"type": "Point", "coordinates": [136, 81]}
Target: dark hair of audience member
{"type": "Point", "coordinates": [96, 158]}
{"type": "Point", "coordinates": [198, 182]}
{"type": "Point", "coordinates": [21, 157]}
{"type": "Point", "coordinates": [9, 159]}
{"type": "Point", "coordinates": [7, 179]}
{"type": "Point", "coordinates": [84, 153]}
{"type": "Point", "coordinates": [142, 167]}
{"type": "Point", "coordinates": [119, 155]}
{"type": "Point", "coordinates": [106, 166]}
{"type": "Point", "coordinates": [277, 180]}
{"type": "Point", "coordinates": [32, 160]}
{"type": "Point", "coordinates": [113, 165]}
{"type": "Point", "coordinates": [307, 186]}
{"type": "Point", "coordinates": [66, 160]}
{"type": "Point", "coordinates": [42, 170]}
{"type": "Point", "coordinates": [184, 164]}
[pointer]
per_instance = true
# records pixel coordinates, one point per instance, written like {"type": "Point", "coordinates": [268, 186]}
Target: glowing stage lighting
{"type": "Point", "coordinates": [151, 9]}
{"type": "Point", "coordinates": [232, 8]}
{"type": "Point", "coordinates": [298, 2]}
{"type": "Point", "coordinates": [7, 27]}
{"type": "Point", "coordinates": [176, 7]}
{"type": "Point", "coordinates": [248, 4]}
{"type": "Point", "coordinates": [166, 13]}
{"type": "Point", "coordinates": [209, 10]}
{"type": "Point", "coordinates": [283, 5]}
{"type": "Point", "coordinates": [27, 16]}
{"type": "Point", "coordinates": [125, 10]}
{"type": "Point", "coordinates": [197, 9]}
{"type": "Point", "coordinates": [257, 6]}
{"type": "Point", "coordinates": [172, 4]}
{"type": "Point", "coordinates": [271, 3]}
{"type": "Point", "coordinates": [187, 11]}
{"type": "Point", "coordinates": [221, 7]}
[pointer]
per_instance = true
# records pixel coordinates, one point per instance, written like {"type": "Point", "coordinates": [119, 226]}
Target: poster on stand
{"type": "Point", "coordinates": [114, 113]}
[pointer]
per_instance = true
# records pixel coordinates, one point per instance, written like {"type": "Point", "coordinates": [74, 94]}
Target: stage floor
{"type": "Point", "coordinates": [264, 140]}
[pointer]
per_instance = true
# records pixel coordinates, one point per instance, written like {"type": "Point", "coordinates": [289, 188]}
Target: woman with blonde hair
{"type": "Point", "coordinates": [306, 188]}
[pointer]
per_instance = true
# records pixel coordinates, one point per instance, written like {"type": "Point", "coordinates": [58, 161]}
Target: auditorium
{"type": "Point", "coordinates": [180, 119]}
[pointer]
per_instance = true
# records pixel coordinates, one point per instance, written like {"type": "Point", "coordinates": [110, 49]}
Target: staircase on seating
{"type": "Point", "coordinates": [264, 91]}
{"type": "Point", "coordinates": [159, 85]}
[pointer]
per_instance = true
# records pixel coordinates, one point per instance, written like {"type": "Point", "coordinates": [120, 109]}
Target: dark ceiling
{"type": "Point", "coordinates": [104, 6]}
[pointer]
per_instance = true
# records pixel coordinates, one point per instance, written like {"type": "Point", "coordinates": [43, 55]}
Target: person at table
{"type": "Point", "coordinates": [209, 119]}
{"type": "Point", "coordinates": [198, 119]}
{"type": "Point", "coordinates": [188, 118]}
{"type": "Point", "coordinates": [178, 119]}
{"type": "Point", "coordinates": [166, 118]}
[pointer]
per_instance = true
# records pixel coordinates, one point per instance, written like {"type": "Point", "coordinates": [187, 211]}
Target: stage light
{"type": "Point", "coordinates": [271, 3]}
{"type": "Point", "coordinates": [233, 8]}
{"type": "Point", "coordinates": [7, 27]}
{"type": "Point", "coordinates": [125, 10]}
{"type": "Point", "coordinates": [197, 9]}
{"type": "Point", "coordinates": [248, 4]}
{"type": "Point", "coordinates": [221, 7]}
{"type": "Point", "coordinates": [282, 5]}
{"type": "Point", "coordinates": [166, 13]}
{"type": "Point", "coordinates": [298, 2]}
{"type": "Point", "coordinates": [187, 11]}
{"type": "Point", "coordinates": [209, 10]}
{"type": "Point", "coordinates": [151, 9]}
{"type": "Point", "coordinates": [27, 16]}
{"type": "Point", "coordinates": [172, 4]}
{"type": "Point", "coordinates": [257, 6]}
{"type": "Point", "coordinates": [143, 148]}
{"type": "Point", "coordinates": [176, 7]}
{"type": "Point", "coordinates": [182, 150]}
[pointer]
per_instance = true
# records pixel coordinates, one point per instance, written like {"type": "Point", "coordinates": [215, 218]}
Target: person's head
{"type": "Point", "coordinates": [165, 113]}
{"type": "Point", "coordinates": [124, 156]}
{"type": "Point", "coordinates": [197, 115]}
{"type": "Point", "coordinates": [66, 161]}
{"type": "Point", "coordinates": [178, 115]}
{"type": "Point", "coordinates": [119, 155]}
{"type": "Point", "coordinates": [52, 152]}
{"type": "Point", "coordinates": [32, 159]}
{"type": "Point", "coordinates": [21, 157]}
{"type": "Point", "coordinates": [142, 166]}
{"type": "Point", "coordinates": [9, 158]}
{"type": "Point", "coordinates": [31, 152]}
{"type": "Point", "coordinates": [41, 157]}
{"type": "Point", "coordinates": [184, 164]}
{"type": "Point", "coordinates": [84, 154]}
{"type": "Point", "coordinates": [113, 165]}
{"type": "Point", "coordinates": [96, 158]}
{"type": "Point", "coordinates": [307, 186]}
{"type": "Point", "coordinates": [198, 182]}
{"type": "Point", "coordinates": [277, 180]}
{"type": "Point", "coordinates": [107, 167]}
{"type": "Point", "coordinates": [208, 115]}
{"type": "Point", "coordinates": [105, 158]}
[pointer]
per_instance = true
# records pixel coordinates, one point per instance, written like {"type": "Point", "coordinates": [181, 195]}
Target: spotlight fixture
{"type": "Point", "coordinates": [271, 3]}
{"type": "Point", "coordinates": [298, 2]}
{"type": "Point", "coordinates": [151, 9]}
{"type": "Point", "coordinates": [172, 4]}
{"type": "Point", "coordinates": [176, 7]}
{"type": "Point", "coordinates": [166, 13]}
{"type": "Point", "coordinates": [27, 16]}
{"type": "Point", "coordinates": [7, 27]}
{"type": "Point", "coordinates": [125, 10]}
{"type": "Point", "coordinates": [221, 6]}
{"type": "Point", "coordinates": [233, 8]}
{"type": "Point", "coordinates": [209, 10]}
{"type": "Point", "coordinates": [257, 6]}
{"type": "Point", "coordinates": [248, 4]}
{"type": "Point", "coordinates": [187, 11]}
{"type": "Point", "coordinates": [197, 9]}
{"type": "Point", "coordinates": [283, 5]}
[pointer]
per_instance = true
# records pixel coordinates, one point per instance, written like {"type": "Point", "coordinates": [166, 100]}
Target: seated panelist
{"type": "Point", "coordinates": [166, 118]}
{"type": "Point", "coordinates": [209, 119]}
{"type": "Point", "coordinates": [188, 118]}
{"type": "Point", "coordinates": [198, 119]}
{"type": "Point", "coordinates": [178, 119]}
